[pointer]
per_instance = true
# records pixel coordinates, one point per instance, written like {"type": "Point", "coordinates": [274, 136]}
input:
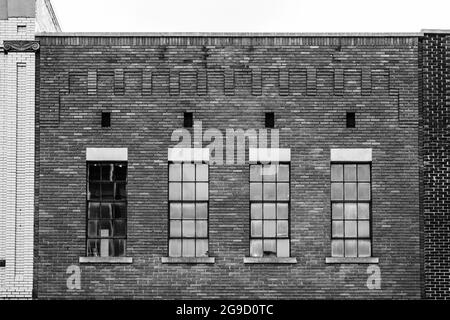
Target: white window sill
{"type": "Point", "coordinates": [355, 260]}
{"type": "Point", "coordinates": [188, 260]}
{"type": "Point", "coordinates": [286, 260]}
{"type": "Point", "coordinates": [106, 260]}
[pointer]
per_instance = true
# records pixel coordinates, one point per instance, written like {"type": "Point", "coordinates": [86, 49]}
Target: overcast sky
{"type": "Point", "coordinates": [252, 15]}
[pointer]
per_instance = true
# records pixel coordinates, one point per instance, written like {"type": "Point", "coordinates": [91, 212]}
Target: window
{"type": "Point", "coordinates": [106, 209]}
{"type": "Point", "coordinates": [351, 120]}
{"type": "Point", "coordinates": [351, 209]}
{"type": "Point", "coordinates": [270, 120]}
{"type": "Point", "coordinates": [106, 119]}
{"type": "Point", "coordinates": [188, 209]}
{"type": "Point", "coordinates": [188, 119]}
{"type": "Point", "coordinates": [269, 210]}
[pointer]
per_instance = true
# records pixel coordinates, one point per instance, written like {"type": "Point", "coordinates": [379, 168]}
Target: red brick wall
{"type": "Point", "coordinates": [228, 82]}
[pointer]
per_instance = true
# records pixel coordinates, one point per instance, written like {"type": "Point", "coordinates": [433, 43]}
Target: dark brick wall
{"type": "Point", "coordinates": [436, 165]}
{"type": "Point", "coordinates": [228, 82]}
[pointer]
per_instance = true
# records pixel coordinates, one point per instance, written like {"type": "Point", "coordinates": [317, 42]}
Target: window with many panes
{"type": "Point", "coordinates": [188, 209]}
{"type": "Point", "coordinates": [269, 210]}
{"type": "Point", "coordinates": [351, 209]}
{"type": "Point", "coordinates": [106, 209]}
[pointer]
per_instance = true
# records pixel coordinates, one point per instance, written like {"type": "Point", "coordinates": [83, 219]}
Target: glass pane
{"type": "Point", "coordinates": [283, 191]}
{"type": "Point", "coordinates": [188, 228]}
{"type": "Point", "coordinates": [175, 211]}
{"type": "Point", "coordinates": [255, 173]}
{"type": "Point", "coordinates": [107, 191]}
{"type": "Point", "coordinates": [337, 229]}
{"type": "Point", "coordinates": [283, 173]}
{"type": "Point", "coordinates": [174, 191]}
{"type": "Point", "coordinates": [256, 248]}
{"type": "Point", "coordinates": [107, 172]}
{"type": "Point", "coordinates": [336, 211]}
{"type": "Point", "coordinates": [256, 228]}
{"type": "Point", "coordinates": [282, 228]}
{"type": "Point", "coordinates": [188, 172]}
{"type": "Point", "coordinates": [175, 228]}
{"type": "Point", "coordinates": [350, 229]}
{"type": "Point", "coordinates": [364, 191]}
{"type": "Point", "coordinates": [269, 191]}
{"type": "Point", "coordinates": [106, 211]}
{"type": "Point", "coordinates": [363, 229]}
{"type": "Point", "coordinates": [201, 211]}
{"type": "Point", "coordinates": [94, 172]}
{"type": "Point", "coordinates": [188, 191]}
{"type": "Point", "coordinates": [201, 229]}
{"type": "Point", "coordinates": [175, 248]}
{"type": "Point", "coordinates": [269, 211]}
{"type": "Point", "coordinates": [188, 248]}
{"type": "Point", "coordinates": [363, 211]}
{"type": "Point", "coordinates": [350, 172]}
{"type": "Point", "coordinates": [269, 228]}
{"type": "Point", "coordinates": [350, 248]}
{"type": "Point", "coordinates": [337, 248]}
{"type": "Point", "coordinates": [337, 172]}
{"type": "Point", "coordinates": [282, 211]}
{"type": "Point", "coordinates": [202, 172]}
{"type": "Point", "coordinates": [202, 191]}
{"type": "Point", "coordinates": [93, 248]}
{"type": "Point", "coordinates": [255, 191]}
{"type": "Point", "coordinates": [121, 191]}
{"type": "Point", "coordinates": [92, 229]}
{"type": "Point", "coordinates": [188, 211]}
{"type": "Point", "coordinates": [269, 172]}
{"type": "Point", "coordinates": [350, 191]}
{"type": "Point", "coordinates": [94, 191]}
{"type": "Point", "coordinates": [93, 210]}
{"type": "Point", "coordinates": [256, 212]}
{"type": "Point", "coordinates": [105, 228]}
{"type": "Point", "coordinates": [350, 211]}
{"type": "Point", "coordinates": [336, 191]}
{"type": "Point", "coordinates": [120, 172]}
{"type": "Point", "coordinates": [175, 172]}
{"type": "Point", "coordinates": [270, 248]}
{"type": "Point", "coordinates": [283, 248]}
{"type": "Point", "coordinates": [201, 249]}
{"type": "Point", "coordinates": [363, 172]}
{"type": "Point", "coordinates": [120, 228]}
{"type": "Point", "coordinates": [117, 247]}
{"type": "Point", "coordinates": [364, 248]}
{"type": "Point", "coordinates": [120, 210]}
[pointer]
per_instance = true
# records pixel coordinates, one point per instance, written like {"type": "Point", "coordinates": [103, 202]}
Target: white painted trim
{"type": "Point", "coordinates": [106, 154]}
{"type": "Point", "coordinates": [354, 155]}
{"type": "Point", "coordinates": [269, 155]}
{"type": "Point", "coordinates": [188, 154]}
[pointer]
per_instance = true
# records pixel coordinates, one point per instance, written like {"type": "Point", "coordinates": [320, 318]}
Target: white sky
{"type": "Point", "coordinates": [252, 15]}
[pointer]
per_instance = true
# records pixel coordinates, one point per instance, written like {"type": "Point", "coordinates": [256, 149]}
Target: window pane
{"type": "Point", "coordinates": [106, 211]}
{"type": "Point", "coordinates": [175, 211]}
{"type": "Point", "coordinates": [201, 211]}
{"type": "Point", "coordinates": [174, 191]}
{"type": "Point", "coordinates": [363, 172]}
{"type": "Point", "coordinates": [107, 172]}
{"type": "Point", "coordinates": [94, 172]}
{"type": "Point", "coordinates": [255, 173]}
{"type": "Point", "coordinates": [256, 211]}
{"type": "Point", "coordinates": [92, 229]}
{"type": "Point", "coordinates": [363, 229]}
{"type": "Point", "coordinates": [105, 248]}
{"type": "Point", "coordinates": [256, 228]}
{"type": "Point", "coordinates": [350, 172]}
{"type": "Point", "coordinates": [270, 248]}
{"type": "Point", "coordinates": [174, 248]}
{"type": "Point", "coordinates": [202, 172]}
{"type": "Point", "coordinates": [121, 191]}
{"type": "Point", "coordinates": [120, 228]}
{"type": "Point", "coordinates": [188, 248]}
{"type": "Point", "coordinates": [364, 248]}
{"type": "Point", "coordinates": [269, 211]}
{"type": "Point", "coordinates": [175, 172]}
{"type": "Point", "coordinates": [350, 229]}
{"type": "Point", "coordinates": [105, 228]}
{"type": "Point", "coordinates": [338, 229]}
{"type": "Point", "coordinates": [364, 191]}
{"type": "Point", "coordinates": [282, 211]}
{"type": "Point", "coordinates": [201, 249]}
{"type": "Point", "coordinates": [283, 173]}
{"type": "Point", "coordinates": [269, 228]}
{"type": "Point", "coordinates": [337, 248]}
{"type": "Point", "coordinates": [336, 191]}
{"type": "Point", "coordinates": [175, 228]}
{"type": "Point", "coordinates": [337, 172]}
{"type": "Point", "coordinates": [337, 212]}
{"type": "Point", "coordinates": [189, 191]}
{"type": "Point", "coordinates": [107, 191]}
{"type": "Point", "coordinates": [255, 191]}
{"type": "Point", "coordinates": [350, 191]}
{"type": "Point", "coordinates": [363, 211]}
{"type": "Point", "coordinates": [120, 172]}
{"type": "Point", "coordinates": [93, 248]}
{"type": "Point", "coordinates": [269, 191]}
{"type": "Point", "coordinates": [283, 248]}
{"type": "Point", "coordinates": [120, 210]}
{"type": "Point", "coordinates": [282, 228]}
{"type": "Point", "coordinates": [188, 211]}
{"type": "Point", "coordinates": [202, 191]}
{"type": "Point", "coordinates": [94, 191]}
{"type": "Point", "coordinates": [350, 248]}
{"type": "Point", "coordinates": [350, 211]}
{"type": "Point", "coordinates": [283, 191]}
{"type": "Point", "coordinates": [201, 229]}
{"type": "Point", "coordinates": [93, 210]}
{"type": "Point", "coordinates": [188, 172]}
{"type": "Point", "coordinates": [269, 172]}
{"type": "Point", "coordinates": [256, 249]}
{"type": "Point", "coordinates": [188, 228]}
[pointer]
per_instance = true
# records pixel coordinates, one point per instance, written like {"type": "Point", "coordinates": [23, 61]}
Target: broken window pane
{"type": "Point", "coordinates": [201, 249]}
{"type": "Point", "coordinates": [270, 248]}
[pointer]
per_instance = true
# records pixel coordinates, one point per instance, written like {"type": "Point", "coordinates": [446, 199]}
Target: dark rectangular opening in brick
{"type": "Point", "coordinates": [270, 119]}
{"type": "Point", "coordinates": [2, 263]}
{"type": "Point", "coordinates": [351, 121]}
{"type": "Point", "coordinates": [188, 119]}
{"type": "Point", "coordinates": [106, 119]}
